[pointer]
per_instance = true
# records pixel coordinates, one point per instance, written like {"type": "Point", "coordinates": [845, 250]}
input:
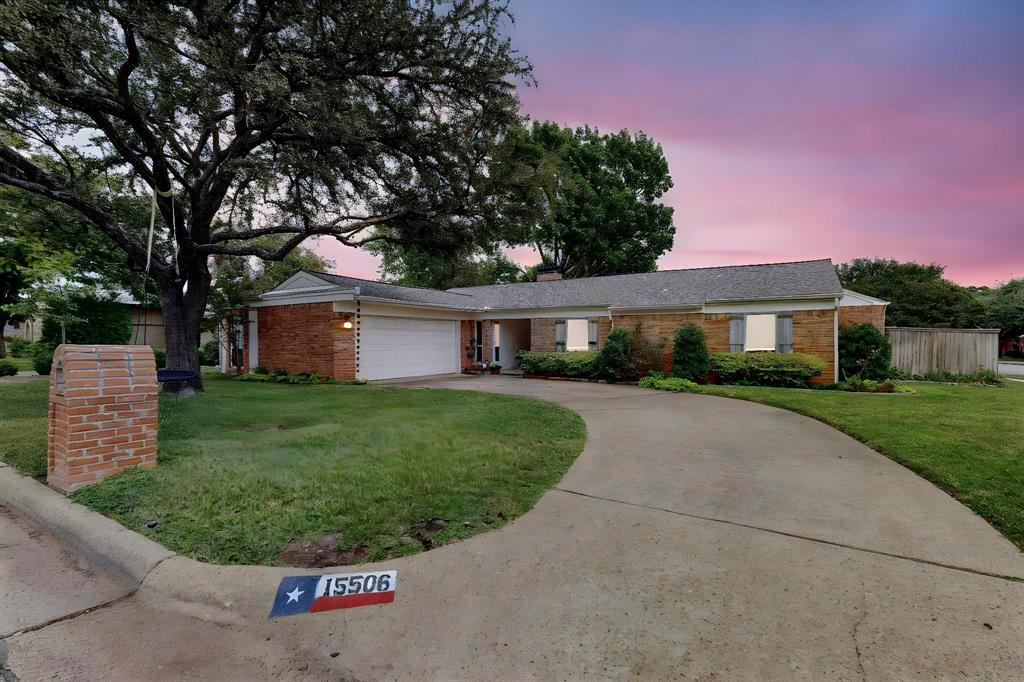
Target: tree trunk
{"type": "Point", "coordinates": [183, 310]}
{"type": "Point", "coordinates": [3, 344]}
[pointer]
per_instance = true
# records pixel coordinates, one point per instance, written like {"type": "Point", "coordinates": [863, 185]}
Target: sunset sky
{"type": "Point", "coordinates": [802, 130]}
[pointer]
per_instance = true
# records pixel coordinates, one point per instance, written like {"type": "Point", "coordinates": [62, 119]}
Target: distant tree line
{"type": "Point", "coordinates": [920, 296]}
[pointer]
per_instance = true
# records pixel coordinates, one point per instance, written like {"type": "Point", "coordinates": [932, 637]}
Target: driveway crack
{"type": "Point", "coordinates": [854, 632]}
{"type": "Point", "coordinates": [798, 536]}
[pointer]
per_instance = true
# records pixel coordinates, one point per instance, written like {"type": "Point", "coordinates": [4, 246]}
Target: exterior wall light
{"type": "Point", "coordinates": [347, 325]}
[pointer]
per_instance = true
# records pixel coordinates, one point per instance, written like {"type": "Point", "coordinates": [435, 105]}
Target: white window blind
{"type": "Point", "coordinates": [577, 335]}
{"type": "Point", "coordinates": [760, 332]}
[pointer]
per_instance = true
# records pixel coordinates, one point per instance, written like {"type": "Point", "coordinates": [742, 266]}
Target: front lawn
{"type": "Point", "coordinates": [246, 468]}
{"type": "Point", "coordinates": [968, 440]}
{"type": "Point", "coordinates": [23, 364]}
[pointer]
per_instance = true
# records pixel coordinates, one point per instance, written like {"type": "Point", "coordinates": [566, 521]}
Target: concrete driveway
{"type": "Point", "coordinates": [695, 538]}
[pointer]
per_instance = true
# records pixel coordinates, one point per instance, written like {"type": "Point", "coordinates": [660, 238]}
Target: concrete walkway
{"type": "Point", "coordinates": [695, 537]}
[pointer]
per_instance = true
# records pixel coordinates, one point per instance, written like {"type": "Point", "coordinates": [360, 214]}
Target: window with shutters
{"type": "Point", "coordinates": [577, 335]}
{"type": "Point", "coordinates": [760, 332]}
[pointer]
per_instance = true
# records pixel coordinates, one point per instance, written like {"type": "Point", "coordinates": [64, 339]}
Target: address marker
{"type": "Point", "coordinates": [315, 593]}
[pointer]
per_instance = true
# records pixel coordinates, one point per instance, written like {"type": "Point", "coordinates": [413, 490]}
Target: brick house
{"type": "Point", "coordinates": [354, 328]}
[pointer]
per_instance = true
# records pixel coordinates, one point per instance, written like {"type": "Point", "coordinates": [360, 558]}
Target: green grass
{"type": "Point", "coordinates": [23, 425]}
{"type": "Point", "coordinates": [968, 440]}
{"type": "Point", "coordinates": [23, 364]}
{"type": "Point", "coordinates": [244, 468]}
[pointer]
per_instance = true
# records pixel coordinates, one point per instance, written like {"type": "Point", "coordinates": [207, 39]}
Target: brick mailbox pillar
{"type": "Point", "coordinates": [103, 413]}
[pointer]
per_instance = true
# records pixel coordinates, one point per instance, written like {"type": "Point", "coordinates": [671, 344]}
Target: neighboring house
{"type": "Point", "coordinates": [148, 323]}
{"type": "Point", "coordinates": [30, 330]}
{"type": "Point", "coordinates": [353, 328]}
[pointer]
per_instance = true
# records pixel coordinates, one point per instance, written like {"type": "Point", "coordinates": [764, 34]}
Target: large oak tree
{"type": "Point", "coordinates": [259, 123]}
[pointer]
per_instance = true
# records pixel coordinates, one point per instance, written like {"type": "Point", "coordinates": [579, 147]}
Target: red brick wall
{"type": "Point", "coordinates": [467, 351]}
{"type": "Point", "coordinates": [542, 334]}
{"type": "Point", "coordinates": [102, 413]}
{"type": "Point", "coordinates": [661, 329]}
{"type": "Point", "coordinates": [814, 334]}
{"type": "Point", "coordinates": [859, 314]}
{"type": "Point", "coordinates": [306, 337]}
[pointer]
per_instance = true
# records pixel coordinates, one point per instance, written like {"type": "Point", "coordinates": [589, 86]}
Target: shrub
{"type": "Point", "coordinates": [160, 356]}
{"type": "Point", "coordinates": [690, 358]}
{"type": "Point", "coordinates": [295, 378]}
{"type": "Point", "coordinates": [42, 358]}
{"type": "Point", "coordinates": [676, 384]}
{"type": "Point", "coordinates": [615, 361]}
{"type": "Point", "coordinates": [648, 353]}
{"type": "Point", "coordinates": [856, 385]}
{"type": "Point", "coordinates": [985, 377]}
{"type": "Point", "coordinates": [7, 368]}
{"type": "Point", "coordinates": [766, 369]}
{"type": "Point", "coordinates": [17, 347]}
{"type": "Point", "coordinates": [209, 353]}
{"type": "Point", "coordinates": [88, 319]}
{"type": "Point", "coordinates": [864, 352]}
{"type": "Point", "coordinates": [578, 364]}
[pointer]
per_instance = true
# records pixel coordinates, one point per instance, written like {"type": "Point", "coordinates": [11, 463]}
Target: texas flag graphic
{"type": "Point", "coordinates": [314, 593]}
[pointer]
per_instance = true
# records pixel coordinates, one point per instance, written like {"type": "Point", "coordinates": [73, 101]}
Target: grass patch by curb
{"type": "Point", "coordinates": [244, 468]}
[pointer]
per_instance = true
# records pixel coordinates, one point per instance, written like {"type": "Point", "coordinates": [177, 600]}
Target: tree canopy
{"type": "Point", "coordinates": [918, 295]}
{"type": "Point", "coordinates": [13, 278]}
{"type": "Point", "coordinates": [587, 202]}
{"type": "Point", "coordinates": [1006, 308]}
{"type": "Point", "coordinates": [256, 120]}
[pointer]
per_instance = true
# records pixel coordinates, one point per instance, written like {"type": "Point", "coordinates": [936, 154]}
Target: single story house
{"type": "Point", "coordinates": [355, 328]}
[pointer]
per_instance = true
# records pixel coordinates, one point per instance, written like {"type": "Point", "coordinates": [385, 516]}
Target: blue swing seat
{"type": "Point", "coordinates": [171, 375]}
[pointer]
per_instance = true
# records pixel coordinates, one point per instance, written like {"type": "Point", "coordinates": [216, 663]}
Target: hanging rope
{"type": "Point", "coordinates": [152, 225]}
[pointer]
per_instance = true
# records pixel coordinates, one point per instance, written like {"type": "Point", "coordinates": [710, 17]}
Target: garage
{"type": "Point", "coordinates": [395, 347]}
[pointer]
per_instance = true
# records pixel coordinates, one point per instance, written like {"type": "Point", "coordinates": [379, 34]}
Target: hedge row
{"type": "Point", "coordinates": [576, 365]}
{"type": "Point", "coordinates": [765, 369]}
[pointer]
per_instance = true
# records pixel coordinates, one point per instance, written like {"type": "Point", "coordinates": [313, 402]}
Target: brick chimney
{"type": "Point", "coordinates": [549, 272]}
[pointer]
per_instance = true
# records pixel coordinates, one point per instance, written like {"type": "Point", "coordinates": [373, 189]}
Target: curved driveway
{"type": "Point", "coordinates": [695, 538]}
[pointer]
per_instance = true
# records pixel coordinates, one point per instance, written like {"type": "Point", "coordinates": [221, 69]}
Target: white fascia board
{"type": "Point", "coordinates": [386, 308]}
{"type": "Point", "coordinates": [853, 298]}
{"type": "Point", "coordinates": [655, 310]}
{"type": "Point", "coordinates": [775, 305]}
{"type": "Point", "coordinates": [530, 313]}
{"type": "Point", "coordinates": [333, 294]}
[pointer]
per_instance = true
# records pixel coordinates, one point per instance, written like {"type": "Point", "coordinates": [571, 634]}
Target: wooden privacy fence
{"type": "Point", "coordinates": [921, 350]}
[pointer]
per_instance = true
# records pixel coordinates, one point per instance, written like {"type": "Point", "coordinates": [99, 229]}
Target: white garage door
{"type": "Point", "coordinates": [393, 347]}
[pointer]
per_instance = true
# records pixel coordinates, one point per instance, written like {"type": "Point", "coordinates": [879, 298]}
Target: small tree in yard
{"type": "Point", "coordinates": [690, 359]}
{"type": "Point", "coordinates": [255, 126]}
{"type": "Point", "coordinates": [864, 352]}
{"type": "Point", "coordinates": [615, 361]}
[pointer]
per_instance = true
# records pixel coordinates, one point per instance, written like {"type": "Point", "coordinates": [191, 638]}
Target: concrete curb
{"type": "Point", "coordinates": [107, 543]}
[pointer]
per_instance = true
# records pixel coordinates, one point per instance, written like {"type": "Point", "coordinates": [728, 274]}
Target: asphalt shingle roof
{"type": "Point", "coordinates": [653, 289]}
{"type": "Point", "coordinates": [368, 287]}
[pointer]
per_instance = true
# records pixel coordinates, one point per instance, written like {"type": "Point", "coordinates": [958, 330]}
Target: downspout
{"type": "Point", "coordinates": [835, 342]}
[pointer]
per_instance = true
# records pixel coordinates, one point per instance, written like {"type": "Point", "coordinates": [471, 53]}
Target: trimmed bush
{"type": "Point", "coordinates": [766, 369]}
{"type": "Point", "coordinates": [88, 319]}
{"type": "Point", "coordinates": [690, 359]}
{"type": "Point", "coordinates": [209, 353]}
{"type": "Point", "coordinates": [985, 377]}
{"type": "Point", "coordinates": [615, 360]}
{"type": "Point", "coordinates": [42, 358]}
{"type": "Point", "coordinates": [576, 365]}
{"type": "Point", "coordinates": [17, 347]}
{"type": "Point", "coordinates": [7, 368]}
{"type": "Point", "coordinates": [295, 378]}
{"type": "Point", "coordinates": [864, 353]}
{"type": "Point", "coordinates": [676, 384]}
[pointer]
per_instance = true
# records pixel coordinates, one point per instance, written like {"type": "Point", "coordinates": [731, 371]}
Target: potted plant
{"type": "Point", "coordinates": [494, 367]}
